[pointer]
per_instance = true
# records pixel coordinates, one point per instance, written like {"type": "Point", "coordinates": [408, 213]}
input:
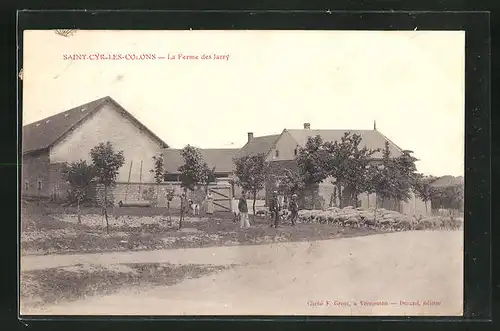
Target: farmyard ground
{"type": "Point", "coordinates": [307, 270]}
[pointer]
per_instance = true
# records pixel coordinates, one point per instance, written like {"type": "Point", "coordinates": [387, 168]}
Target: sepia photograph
{"type": "Point", "coordinates": [242, 172]}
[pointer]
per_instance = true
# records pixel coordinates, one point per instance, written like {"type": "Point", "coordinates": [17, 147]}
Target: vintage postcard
{"type": "Point", "coordinates": [242, 173]}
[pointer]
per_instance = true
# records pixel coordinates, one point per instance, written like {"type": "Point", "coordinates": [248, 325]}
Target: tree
{"type": "Point", "coordinates": [311, 162]}
{"type": "Point", "coordinates": [106, 163]}
{"type": "Point", "coordinates": [158, 171]}
{"type": "Point", "coordinates": [347, 164]}
{"type": "Point", "coordinates": [406, 176]}
{"type": "Point", "coordinates": [79, 175]}
{"type": "Point", "coordinates": [194, 171]}
{"type": "Point", "coordinates": [377, 182]}
{"type": "Point", "coordinates": [379, 177]}
{"type": "Point", "coordinates": [207, 176]}
{"type": "Point", "coordinates": [394, 178]}
{"type": "Point", "coordinates": [424, 190]}
{"type": "Point", "coordinates": [252, 172]}
{"type": "Point", "coordinates": [290, 182]}
{"type": "Point", "coordinates": [450, 197]}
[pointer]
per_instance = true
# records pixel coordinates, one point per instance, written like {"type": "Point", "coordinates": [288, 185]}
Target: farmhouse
{"type": "Point", "coordinates": [69, 136]}
{"type": "Point", "coordinates": [281, 151]}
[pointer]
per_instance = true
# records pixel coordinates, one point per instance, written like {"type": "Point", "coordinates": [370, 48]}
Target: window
{"type": "Point", "coordinates": [295, 152]}
{"type": "Point", "coordinates": [39, 185]}
{"type": "Point", "coordinates": [172, 178]}
{"type": "Point", "coordinates": [277, 153]}
{"type": "Point", "coordinates": [26, 185]}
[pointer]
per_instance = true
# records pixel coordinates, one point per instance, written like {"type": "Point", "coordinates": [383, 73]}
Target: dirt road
{"type": "Point", "coordinates": [410, 273]}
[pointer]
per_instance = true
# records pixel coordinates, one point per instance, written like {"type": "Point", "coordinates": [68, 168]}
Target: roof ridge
{"type": "Point", "coordinates": [389, 140]}
{"type": "Point", "coordinates": [97, 101]}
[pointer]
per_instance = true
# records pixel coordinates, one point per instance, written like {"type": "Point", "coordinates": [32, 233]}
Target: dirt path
{"type": "Point", "coordinates": [240, 254]}
{"type": "Point", "coordinates": [281, 278]}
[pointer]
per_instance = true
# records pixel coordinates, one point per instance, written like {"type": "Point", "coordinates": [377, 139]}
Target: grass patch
{"type": "Point", "coordinates": [54, 285]}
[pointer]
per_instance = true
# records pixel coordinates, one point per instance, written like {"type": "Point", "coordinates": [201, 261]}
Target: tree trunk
{"type": "Point", "coordinates": [157, 202]}
{"type": "Point", "coordinates": [339, 190]}
{"type": "Point", "coordinates": [253, 205]}
{"type": "Point", "coordinates": [426, 211]}
{"type": "Point", "coordinates": [375, 211]}
{"type": "Point", "coordinates": [182, 215]}
{"type": "Point", "coordinates": [78, 210]}
{"type": "Point", "coordinates": [106, 207]}
{"type": "Point", "coordinates": [168, 211]}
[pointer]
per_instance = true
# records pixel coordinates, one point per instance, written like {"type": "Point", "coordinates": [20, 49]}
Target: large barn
{"type": "Point", "coordinates": [69, 136]}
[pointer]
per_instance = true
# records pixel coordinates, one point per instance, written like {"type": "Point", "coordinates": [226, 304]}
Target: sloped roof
{"type": "Point", "coordinates": [46, 132]}
{"type": "Point", "coordinates": [220, 158]}
{"type": "Point", "coordinates": [371, 139]}
{"type": "Point", "coordinates": [258, 145]}
{"type": "Point", "coordinates": [447, 181]}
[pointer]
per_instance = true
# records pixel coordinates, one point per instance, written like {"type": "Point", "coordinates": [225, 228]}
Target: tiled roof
{"type": "Point", "coordinates": [371, 139]}
{"type": "Point", "coordinates": [258, 145]}
{"type": "Point", "coordinates": [44, 133]}
{"type": "Point", "coordinates": [447, 181]}
{"type": "Point", "coordinates": [221, 159]}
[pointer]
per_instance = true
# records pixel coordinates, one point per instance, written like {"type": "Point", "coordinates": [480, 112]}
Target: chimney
{"type": "Point", "coordinates": [250, 136]}
{"type": "Point", "coordinates": [307, 126]}
{"type": "Point", "coordinates": [374, 125]}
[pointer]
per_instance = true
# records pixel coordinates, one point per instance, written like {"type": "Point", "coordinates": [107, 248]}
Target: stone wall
{"type": "Point", "coordinates": [35, 175]}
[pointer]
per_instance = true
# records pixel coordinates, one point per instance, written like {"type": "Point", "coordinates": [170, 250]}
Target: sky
{"type": "Point", "coordinates": [410, 82]}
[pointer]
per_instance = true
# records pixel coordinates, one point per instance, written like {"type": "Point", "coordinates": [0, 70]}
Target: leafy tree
{"type": "Point", "coordinates": [347, 164]}
{"type": "Point", "coordinates": [158, 171]}
{"type": "Point", "coordinates": [290, 182]}
{"type": "Point", "coordinates": [207, 176]}
{"type": "Point", "coordinates": [311, 161]}
{"type": "Point", "coordinates": [194, 171]}
{"type": "Point", "coordinates": [79, 175]}
{"type": "Point", "coordinates": [424, 190]}
{"type": "Point", "coordinates": [394, 178]}
{"type": "Point", "coordinates": [379, 179]}
{"type": "Point", "coordinates": [252, 172]}
{"type": "Point", "coordinates": [106, 163]}
{"type": "Point", "coordinates": [406, 176]}
{"type": "Point", "coordinates": [451, 197]}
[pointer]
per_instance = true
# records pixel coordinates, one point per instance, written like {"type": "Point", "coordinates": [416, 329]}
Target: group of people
{"type": "Point", "coordinates": [195, 206]}
{"type": "Point", "coordinates": [275, 208]}
{"type": "Point", "coordinates": [240, 208]}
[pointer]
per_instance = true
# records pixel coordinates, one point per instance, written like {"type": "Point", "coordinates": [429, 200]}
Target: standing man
{"type": "Point", "coordinates": [243, 208]}
{"type": "Point", "coordinates": [294, 209]}
{"type": "Point", "coordinates": [274, 208]}
{"type": "Point", "coordinates": [184, 207]}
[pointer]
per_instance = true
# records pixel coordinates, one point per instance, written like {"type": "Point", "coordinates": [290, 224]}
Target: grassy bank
{"type": "Point", "coordinates": [55, 285]}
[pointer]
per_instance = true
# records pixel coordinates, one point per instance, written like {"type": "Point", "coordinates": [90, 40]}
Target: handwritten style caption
{"type": "Point", "coordinates": [144, 57]}
{"type": "Point", "coordinates": [340, 303]}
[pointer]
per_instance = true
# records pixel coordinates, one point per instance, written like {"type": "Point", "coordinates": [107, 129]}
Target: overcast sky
{"type": "Point", "coordinates": [411, 83]}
